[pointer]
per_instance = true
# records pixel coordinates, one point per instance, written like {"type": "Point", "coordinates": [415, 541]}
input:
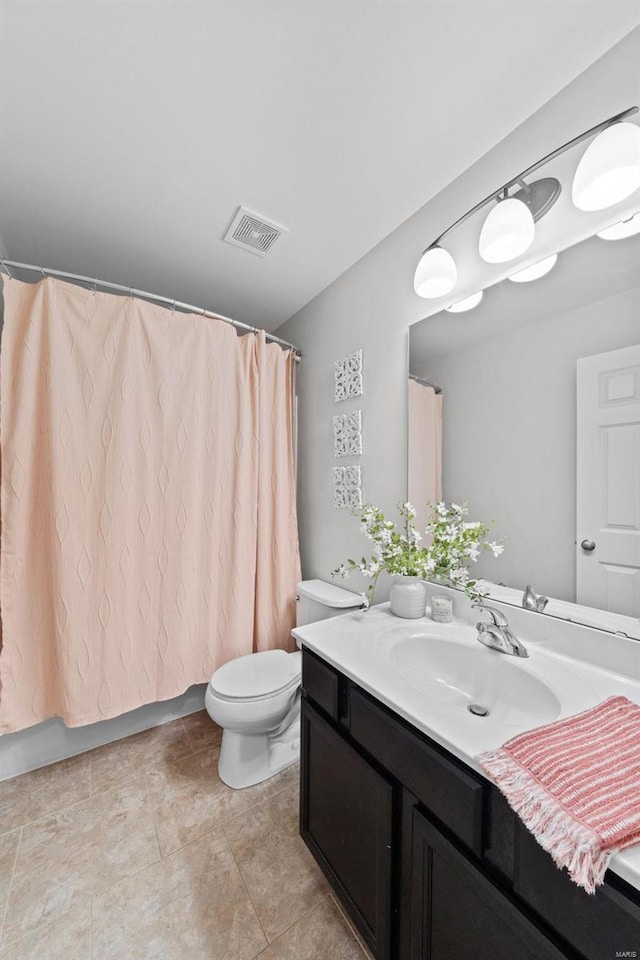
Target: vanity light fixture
{"type": "Point", "coordinates": [609, 170]}
{"type": "Point", "coordinates": [507, 232]}
{"type": "Point", "coordinates": [536, 270]}
{"type": "Point", "coordinates": [622, 229]}
{"type": "Point", "coordinates": [467, 304]}
{"type": "Point", "coordinates": [436, 273]}
{"type": "Point", "coordinates": [509, 229]}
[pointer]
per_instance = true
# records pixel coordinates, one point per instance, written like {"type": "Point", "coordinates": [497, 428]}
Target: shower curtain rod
{"type": "Point", "coordinates": [426, 383]}
{"type": "Point", "coordinates": [132, 291]}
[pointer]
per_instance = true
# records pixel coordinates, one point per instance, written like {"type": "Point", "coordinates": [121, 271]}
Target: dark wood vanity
{"type": "Point", "coordinates": [426, 855]}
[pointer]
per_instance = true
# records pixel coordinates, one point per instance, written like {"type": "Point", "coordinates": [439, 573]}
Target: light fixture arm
{"type": "Point", "coordinates": [503, 192]}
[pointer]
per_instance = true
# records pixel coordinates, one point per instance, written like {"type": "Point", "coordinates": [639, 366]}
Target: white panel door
{"type": "Point", "coordinates": [608, 482]}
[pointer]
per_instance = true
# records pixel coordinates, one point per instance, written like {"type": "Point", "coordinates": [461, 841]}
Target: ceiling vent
{"type": "Point", "coordinates": [253, 232]}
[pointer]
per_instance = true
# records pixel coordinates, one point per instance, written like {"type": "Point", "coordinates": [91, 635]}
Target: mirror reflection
{"type": "Point", "coordinates": [527, 407]}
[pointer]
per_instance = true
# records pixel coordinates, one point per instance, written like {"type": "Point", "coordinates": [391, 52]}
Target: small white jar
{"type": "Point", "coordinates": [408, 598]}
{"type": "Point", "coordinates": [441, 609]}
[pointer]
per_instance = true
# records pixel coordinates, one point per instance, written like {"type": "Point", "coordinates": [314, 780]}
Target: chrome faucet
{"type": "Point", "coordinates": [531, 600]}
{"type": "Point", "coordinates": [497, 633]}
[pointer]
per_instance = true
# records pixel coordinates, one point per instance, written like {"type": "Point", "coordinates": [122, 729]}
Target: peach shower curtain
{"type": "Point", "coordinates": [425, 449]}
{"type": "Point", "coordinates": [147, 502]}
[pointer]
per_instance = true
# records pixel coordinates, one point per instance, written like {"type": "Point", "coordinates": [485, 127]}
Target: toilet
{"type": "Point", "coordinates": [256, 698]}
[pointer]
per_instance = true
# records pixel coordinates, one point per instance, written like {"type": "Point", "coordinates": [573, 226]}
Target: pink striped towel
{"type": "Point", "coordinates": [575, 784]}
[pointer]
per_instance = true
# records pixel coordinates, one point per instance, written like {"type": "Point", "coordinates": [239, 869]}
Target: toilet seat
{"type": "Point", "coordinates": [257, 676]}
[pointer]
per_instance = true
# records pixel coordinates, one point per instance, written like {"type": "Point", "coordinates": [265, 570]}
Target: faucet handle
{"type": "Point", "coordinates": [496, 615]}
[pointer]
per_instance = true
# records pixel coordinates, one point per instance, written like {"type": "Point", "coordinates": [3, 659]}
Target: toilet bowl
{"type": "Point", "coordinates": [256, 698]}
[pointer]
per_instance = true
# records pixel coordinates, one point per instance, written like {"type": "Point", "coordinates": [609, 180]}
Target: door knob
{"type": "Point", "coordinates": [588, 545]}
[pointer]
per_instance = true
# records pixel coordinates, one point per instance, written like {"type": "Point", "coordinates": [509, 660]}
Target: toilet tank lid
{"type": "Point", "coordinates": [329, 594]}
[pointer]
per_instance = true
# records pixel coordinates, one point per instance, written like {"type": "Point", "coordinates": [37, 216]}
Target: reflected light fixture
{"type": "Point", "coordinates": [609, 169]}
{"type": "Point", "coordinates": [467, 304]}
{"type": "Point", "coordinates": [436, 273]}
{"type": "Point", "coordinates": [536, 270]}
{"type": "Point", "coordinates": [507, 232]}
{"type": "Point", "coordinates": [622, 229]}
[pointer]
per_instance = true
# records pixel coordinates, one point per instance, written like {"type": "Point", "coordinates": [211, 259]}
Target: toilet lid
{"type": "Point", "coordinates": [257, 675]}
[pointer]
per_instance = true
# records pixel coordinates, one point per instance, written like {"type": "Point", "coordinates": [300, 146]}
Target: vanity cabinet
{"type": "Point", "coordinates": [426, 855]}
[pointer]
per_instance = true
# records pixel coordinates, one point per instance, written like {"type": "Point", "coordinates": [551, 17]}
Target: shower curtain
{"type": "Point", "coordinates": [147, 501]}
{"type": "Point", "coordinates": [425, 449]}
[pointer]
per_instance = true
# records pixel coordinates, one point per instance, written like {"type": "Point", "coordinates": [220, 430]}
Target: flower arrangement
{"type": "Point", "coordinates": [452, 541]}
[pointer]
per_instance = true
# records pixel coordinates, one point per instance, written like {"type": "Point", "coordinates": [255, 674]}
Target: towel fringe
{"type": "Point", "coordinates": [573, 846]}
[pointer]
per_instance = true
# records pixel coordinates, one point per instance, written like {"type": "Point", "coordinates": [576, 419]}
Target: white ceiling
{"type": "Point", "coordinates": [132, 130]}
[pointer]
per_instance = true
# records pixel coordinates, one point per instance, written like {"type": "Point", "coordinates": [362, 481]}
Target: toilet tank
{"type": "Point", "coordinates": [318, 600]}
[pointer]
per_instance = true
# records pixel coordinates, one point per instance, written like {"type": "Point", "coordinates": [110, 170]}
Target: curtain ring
{"type": "Point", "coordinates": [173, 307]}
{"type": "Point", "coordinates": [44, 276]}
{"type": "Point", "coordinates": [95, 282]}
{"type": "Point", "coordinates": [131, 292]}
{"type": "Point", "coordinates": [7, 269]}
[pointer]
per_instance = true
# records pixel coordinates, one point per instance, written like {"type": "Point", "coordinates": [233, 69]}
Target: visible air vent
{"type": "Point", "coordinates": [253, 232]}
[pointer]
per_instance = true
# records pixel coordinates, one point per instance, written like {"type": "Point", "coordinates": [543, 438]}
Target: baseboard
{"type": "Point", "coordinates": [51, 741]}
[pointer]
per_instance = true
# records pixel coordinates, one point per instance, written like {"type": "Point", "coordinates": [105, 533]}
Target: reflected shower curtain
{"type": "Point", "coordinates": [147, 502]}
{"type": "Point", "coordinates": [425, 449]}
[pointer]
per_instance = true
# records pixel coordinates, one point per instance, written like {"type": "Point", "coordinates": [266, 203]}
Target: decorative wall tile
{"type": "Point", "coordinates": [348, 376]}
{"type": "Point", "coordinates": [347, 492]}
{"type": "Point", "coordinates": [347, 434]}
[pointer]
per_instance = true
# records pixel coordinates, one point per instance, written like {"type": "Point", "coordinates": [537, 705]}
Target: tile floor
{"type": "Point", "coordinates": [138, 851]}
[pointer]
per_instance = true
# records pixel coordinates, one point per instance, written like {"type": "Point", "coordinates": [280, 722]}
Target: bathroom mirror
{"type": "Point", "coordinates": [536, 417]}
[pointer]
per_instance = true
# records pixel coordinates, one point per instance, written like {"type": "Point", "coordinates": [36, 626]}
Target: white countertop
{"type": "Point", "coordinates": [361, 645]}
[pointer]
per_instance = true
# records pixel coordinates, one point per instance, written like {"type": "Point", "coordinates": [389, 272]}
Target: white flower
{"type": "Point", "coordinates": [496, 548]}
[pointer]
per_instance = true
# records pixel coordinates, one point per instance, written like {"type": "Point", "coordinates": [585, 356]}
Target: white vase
{"type": "Point", "coordinates": [408, 598]}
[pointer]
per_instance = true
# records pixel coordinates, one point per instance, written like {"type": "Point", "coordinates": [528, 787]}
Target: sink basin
{"type": "Point", "coordinates": [456, 673]}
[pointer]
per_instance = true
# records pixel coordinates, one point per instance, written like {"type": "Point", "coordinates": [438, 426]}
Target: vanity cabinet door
{"type": "Point", "coordinates": [346, 821]}
{"type": "Point", "coordinates": [601, 926]}
{"type": "Point", "coordinates": [456, 913]}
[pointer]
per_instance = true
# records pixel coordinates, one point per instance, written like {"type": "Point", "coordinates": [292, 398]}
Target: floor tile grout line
{"type": "Point", "coordinates": [39, 927]}
{"type": "Point", "coordinates": [276, 793]}
{"type": "Point", "coordinates": [222, 824]}
{"type": "Point", "coordinates": [155, 819]}
{"type": "Point", "coordinates": [76, 803]}
{"type": "Point", "coordinates": [305, 913]}
{"type": "Point", "coordinates": [89, 897]}
{"type": "Point", "coordinates": [13, 873]}
{"type": "Point", "coordinates": [244, 884]}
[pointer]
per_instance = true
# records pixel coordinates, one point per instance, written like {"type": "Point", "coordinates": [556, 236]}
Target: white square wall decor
{"type": "Point", "coordinates": [347, 374]}
{"type": "Point", "coordinates": [347, 492]}
{"type": "Point", "coordinates": [347, 434]}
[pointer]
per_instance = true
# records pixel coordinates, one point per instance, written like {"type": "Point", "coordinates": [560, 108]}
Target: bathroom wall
{"type": "Point", "coordinates": [509, 435]}
{"type": "Point", "coordinates": [372, 304]}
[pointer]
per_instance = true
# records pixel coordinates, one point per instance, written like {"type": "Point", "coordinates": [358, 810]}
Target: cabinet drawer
{"type": "Point", "coordinates": [601, 926]}
{"type": "Point", "coordinates": [449, 792]}
{"type": "Point", "coordinates": [320, 683]}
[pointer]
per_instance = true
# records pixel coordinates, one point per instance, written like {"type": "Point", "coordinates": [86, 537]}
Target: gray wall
{"type": "Point", "coordinates": [509, 436]}
{"type": "Point", "coordinates": [372, 304]}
